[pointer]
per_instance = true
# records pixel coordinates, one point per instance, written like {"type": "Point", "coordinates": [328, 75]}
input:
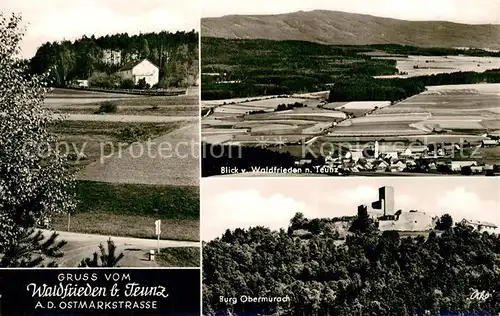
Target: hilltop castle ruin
{"type": "Point", "coordinates": [388, 218]}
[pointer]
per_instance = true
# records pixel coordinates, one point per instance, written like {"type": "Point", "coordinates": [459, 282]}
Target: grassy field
{"type": "Point", "coordinates": [88, 102]}
{"type": "Point", "coordinates": [131, 209]}
{"type": "Point", "coordinates": [163, 110]}
{"type": "Point", "coordinates": [179, 257]}
{"type": "Point", "coordinates": [89, 136]}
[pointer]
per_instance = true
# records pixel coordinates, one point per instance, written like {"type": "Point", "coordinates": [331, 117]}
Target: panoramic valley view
{"type": "Point", "coordinates": [117, 183]}
{"type": "Point", "coordinates": [334, 93]}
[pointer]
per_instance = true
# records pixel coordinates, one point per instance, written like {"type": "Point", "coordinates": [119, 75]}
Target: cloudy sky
{"type": "Point", "coordinates": [54, 20]}
{"type": "Point", "coordinates": [272, 202]}
{"type": "Point", "coordinates": [463, 11]}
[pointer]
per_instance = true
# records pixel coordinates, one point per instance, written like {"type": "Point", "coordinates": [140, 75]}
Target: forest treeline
{"type": "Point", "coordinates": [364, 88]}
{"type": "Point", "coordinates": [176, 55]}
{"type": "Point", "coordinates": [369, 273]}
{"type": "Point", "coordinates": [247, 68]}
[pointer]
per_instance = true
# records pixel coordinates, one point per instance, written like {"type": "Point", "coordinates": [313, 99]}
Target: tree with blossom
{"type": "Point", "coordinates": [35, 180]}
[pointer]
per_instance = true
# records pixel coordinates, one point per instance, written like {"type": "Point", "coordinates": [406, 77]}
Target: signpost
{"type": "Point", "coordinates": [158, 233]}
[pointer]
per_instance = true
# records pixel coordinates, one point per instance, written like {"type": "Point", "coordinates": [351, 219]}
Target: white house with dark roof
{"type": "Point", "coordinates": [481, 226]}
{"type": "Point", "coordinates": [138, 70]}
{"type": "Point", "coordinates": [489, 143]}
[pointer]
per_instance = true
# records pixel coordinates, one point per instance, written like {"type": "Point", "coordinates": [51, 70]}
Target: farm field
{"type": "Point", "coordinates": [75, 93]}
{"type": "Point", "coordinates": [264, 140]}
{"type": "Point", "coordinates": [423, 138]}
{"type": "Point", "coordinates": [124, 118]}
{"type": "Point", "coordinates": [95, 138]}
{"type": "Point", "coordinates": [60, 101]}
{"type": "Point", "coordinates": [356, 108]}
{"type": "Point", "coordinates": [169, 159]}
{"type": "Point", "coordinates": [273, 103]}
{"type": "Point", "coordinates": [239, 110]}
{"type": "Point", "coordinates": [66, 101]}
{"type": "Point", "coordinates": [378, 125]}
{"type": "Point", "coordinates": [483, 88]}
{"type": "Point", "coordinates": [131, 209]}
{"type": "Point", "coordinates": [357, 105]}
{"type": "Point", "coordinates": [321, 95]}
{"type": "Point", "coordinates": [139, 110]}
{"type": "Point", "coordinates": [217, 139]}
{"type": "Point", "coordinates": [463, 109]}
{"type": "Point", "coordinates": [208, 103]}
{"type": "Point", "coordinates": [232, 123]}
{"type": "Point", "coordinates": [450, 114]}
{"type": "Point", "coordinates": [122, 191]}
{"type": "Point", "coordinates": [430, 65]}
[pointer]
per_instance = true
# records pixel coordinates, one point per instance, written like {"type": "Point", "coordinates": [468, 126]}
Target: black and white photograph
{"type": "Point", "coordinates": [359, 88]}
{"type": "Point", "coordinates": [99, 134]}
{"type": "Point", "coordinates": [351, 246]}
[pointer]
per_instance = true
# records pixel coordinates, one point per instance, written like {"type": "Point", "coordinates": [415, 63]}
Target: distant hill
{"type": "Point", "coordinates": [333, 27]}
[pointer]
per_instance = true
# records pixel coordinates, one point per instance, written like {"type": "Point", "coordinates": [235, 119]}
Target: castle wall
{"type": "Point", "coordinates": [414, 221]}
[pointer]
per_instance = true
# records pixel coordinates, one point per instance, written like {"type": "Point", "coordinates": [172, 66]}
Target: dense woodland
{"type": "Point", "coordinates": [176, 54]}
{"type": "Point", "coordinates": [365, 88]}
{"type": "Point", "coordinates": [370, 273]}
{"type": "Point", "coordinates": [246, 68]}
{"type": "Point", "coordinates": [266, 67]}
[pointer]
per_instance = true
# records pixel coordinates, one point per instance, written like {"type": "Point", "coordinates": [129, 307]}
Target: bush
{"type": "Point", "coordinates": [115, 81]}
{"type": "Point", "coordinates": [466, 171]}
{"type": "Point", "coordinates": [107, 107]}
{"type": "Point", "coordinates": [100, 80]}
{"type": "Point", "coordinates": [142, 84]}
{"type": "Point", "coordinates": [131, 133]}
{"type": "Point", "coordinates": [127, 84]}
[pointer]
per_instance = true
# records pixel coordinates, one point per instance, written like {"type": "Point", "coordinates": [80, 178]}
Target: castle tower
{"type": "Point", "coordinates": [385, 200]}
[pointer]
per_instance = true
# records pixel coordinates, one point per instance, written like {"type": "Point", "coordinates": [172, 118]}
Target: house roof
{"type": "Point", "coordinates": [475, 222]}
{"type": "Point", "coordinates": [489, 141]}
{"type": "Point", "coordinates": [464, 162]}
{"type": "Point", "coordinates": [132, 64]}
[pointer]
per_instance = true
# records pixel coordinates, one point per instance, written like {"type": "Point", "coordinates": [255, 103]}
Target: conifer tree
{"type": "Point", "coordinates": [106, 258]}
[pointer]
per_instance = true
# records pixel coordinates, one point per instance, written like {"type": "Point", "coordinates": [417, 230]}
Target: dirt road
{"type": "Point", "coordinates": [136, 250]}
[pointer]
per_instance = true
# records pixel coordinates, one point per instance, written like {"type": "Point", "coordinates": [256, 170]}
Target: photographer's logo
{"type": "Point", "coordinates": [481, 296]}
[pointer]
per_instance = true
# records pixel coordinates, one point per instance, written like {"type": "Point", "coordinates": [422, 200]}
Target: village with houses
{"type": "Point", "coordinates": [414, 158]}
